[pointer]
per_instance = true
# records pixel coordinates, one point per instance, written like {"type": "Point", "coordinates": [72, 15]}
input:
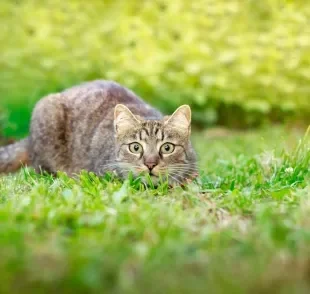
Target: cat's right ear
{"type": "Point", "coordinates": [181, 119]}
{"type": "Point", "coordinates": [124, 119]}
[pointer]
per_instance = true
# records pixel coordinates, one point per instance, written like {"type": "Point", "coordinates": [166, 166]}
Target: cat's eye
{"type": "Point", "coordinates": [135, 148]}
{"type": "Point", "coordinates": [167, 148]}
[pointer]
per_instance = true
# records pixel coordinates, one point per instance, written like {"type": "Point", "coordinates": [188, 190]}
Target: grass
{"type": "Point", "coordinates": [244, 227]}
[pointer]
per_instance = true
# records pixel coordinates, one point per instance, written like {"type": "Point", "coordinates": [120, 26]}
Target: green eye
{"type": "Point", "coordinates": [167, 148]}
{"type": "Point", "coordinates": [135, 148]}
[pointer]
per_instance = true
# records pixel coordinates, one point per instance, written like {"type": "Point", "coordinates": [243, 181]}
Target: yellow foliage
{"type": "Point", "coordinates": [208, 53]}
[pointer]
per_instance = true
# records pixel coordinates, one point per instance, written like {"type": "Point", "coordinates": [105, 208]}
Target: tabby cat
{"type": "Point", "coordinates": [101, 126]}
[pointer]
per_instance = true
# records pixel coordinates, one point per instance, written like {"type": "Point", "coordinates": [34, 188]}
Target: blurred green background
{"type": "Point", "coordinates": [237, 63]}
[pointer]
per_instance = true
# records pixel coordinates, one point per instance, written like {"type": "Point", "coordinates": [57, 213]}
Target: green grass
{"type": "Point", "coordinates": [244, 227]}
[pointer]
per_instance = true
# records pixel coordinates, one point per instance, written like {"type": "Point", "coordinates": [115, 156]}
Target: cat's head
{"type": "Point", "coordinates": [160, 149]}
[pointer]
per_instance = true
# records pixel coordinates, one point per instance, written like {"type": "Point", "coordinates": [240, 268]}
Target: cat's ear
{"type": "Point", "coordinates": [124, 119]}
{"type": "Point", "coordinates": [181, 118]}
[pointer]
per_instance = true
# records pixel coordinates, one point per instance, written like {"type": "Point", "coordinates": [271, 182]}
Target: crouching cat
{"type": "Point", "coordinates": [102, 127]}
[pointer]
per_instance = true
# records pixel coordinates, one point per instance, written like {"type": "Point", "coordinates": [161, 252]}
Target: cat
{"type": "Point", "coordinates": [101, 126]}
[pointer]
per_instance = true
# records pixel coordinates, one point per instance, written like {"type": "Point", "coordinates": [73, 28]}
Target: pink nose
{"type": "Point", "coordinates": [150, 165]}
{"type": "Point", "coordinates": [151, 161]}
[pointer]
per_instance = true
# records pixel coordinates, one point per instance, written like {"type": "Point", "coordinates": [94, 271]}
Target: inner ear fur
{"type": "Point", "coordinates": [124, 119]}
{"type": "Point", "coordinates": [181, 118]}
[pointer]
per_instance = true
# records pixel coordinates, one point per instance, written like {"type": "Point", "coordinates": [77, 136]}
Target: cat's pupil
{"type": "Point", "coordinates": [136, 147]}
{"type": "Point", "coordinates": [167, 148]}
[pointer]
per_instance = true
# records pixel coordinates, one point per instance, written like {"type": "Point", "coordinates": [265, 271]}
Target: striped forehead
{"type": "Point", "coordinates": [150, 130]}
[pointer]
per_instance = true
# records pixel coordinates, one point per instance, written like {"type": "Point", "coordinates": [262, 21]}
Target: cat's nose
{"type": "Point", "coordinates": [151, 165]}
{"type": "Point", "coordinates": [151, 162]}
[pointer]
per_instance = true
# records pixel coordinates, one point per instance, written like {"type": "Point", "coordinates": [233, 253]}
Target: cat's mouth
{"type": "Point", "coordinates": [151, 173]}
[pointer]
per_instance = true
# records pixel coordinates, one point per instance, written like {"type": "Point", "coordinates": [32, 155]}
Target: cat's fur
{"type": "Point", "coordinates": [90, 126]}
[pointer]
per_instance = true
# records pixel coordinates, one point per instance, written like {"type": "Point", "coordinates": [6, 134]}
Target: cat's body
{"type": "Point", "coordinates": [87, 127]}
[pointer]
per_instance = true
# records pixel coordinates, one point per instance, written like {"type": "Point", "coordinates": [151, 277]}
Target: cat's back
{"type": "Point", "coordinates": [101, 92]}
{"type": "Point", "coordinates": [91, 102]}
{"type": "Point", "coordinates": [100, 96]}
{"type": "Point", "coordinates": [89, 92]}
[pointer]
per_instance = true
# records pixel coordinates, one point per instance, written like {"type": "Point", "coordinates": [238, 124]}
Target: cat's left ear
{"type": "Point", "coordinates": [124, 119]}
{"type": "Point", "coordinates": [181, 118]}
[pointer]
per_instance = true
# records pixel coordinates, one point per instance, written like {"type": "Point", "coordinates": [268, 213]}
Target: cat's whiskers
{"type": "Point", "coordinates": [184, 168]}
{"type": "Point", "coordinates": [188, 164]}
{"type": "Point", "coordinates": [174, 174]}
{"type": "Point", "coordinates": [179, 178]}
{"type": "Point", "coordinates": [183, 164]}
{"type": "Point", "coordinates": [175, 179]}
{"type": "Point", "coordinates": [180, 169]}
{"type": "Point", "coordinates": [184, 175]}
{"type": "Point", "coordinates": [186, 171]}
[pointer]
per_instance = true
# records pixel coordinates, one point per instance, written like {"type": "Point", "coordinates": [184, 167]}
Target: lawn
{"type": "Point", "coordinates": [243, 227]}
